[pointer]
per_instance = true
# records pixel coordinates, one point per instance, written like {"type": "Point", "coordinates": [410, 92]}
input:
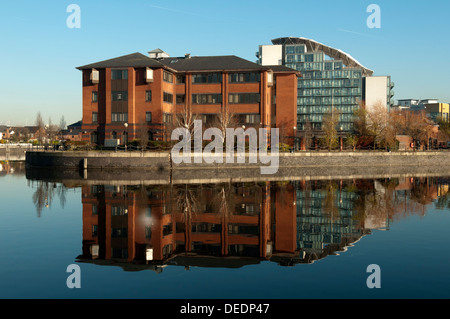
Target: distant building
{"type": "Point", "coordinates": [408, 103]}
{"type": "Point", "coordinates": [75, 126]}
{"type": "Point", "coordinates": [422, 103]}
{"type": "Point", "coordinates": [73, 132]}
{"type": "Point", "coordinates": [378, 90]}
{"type": "Point", "coordinates": [330, 79]}
{"type": "Point", "coordinates": [432, 107]}
{"type": "Point", "coordinates": [437, 111]}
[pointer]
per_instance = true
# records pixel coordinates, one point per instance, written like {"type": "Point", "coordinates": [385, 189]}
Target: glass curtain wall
{"type": "Point", "coordinates": [325, 84]}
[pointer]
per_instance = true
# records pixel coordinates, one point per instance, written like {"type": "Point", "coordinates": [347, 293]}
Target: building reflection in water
{"type": "Point", "coordinates": [233, 225]}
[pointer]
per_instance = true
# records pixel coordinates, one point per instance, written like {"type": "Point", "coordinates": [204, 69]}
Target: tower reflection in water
{"type": "Point", "coordinates": [233, 225]}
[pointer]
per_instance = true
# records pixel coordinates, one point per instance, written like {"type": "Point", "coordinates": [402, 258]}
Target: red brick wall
{"type": "Point", "coordinates": [286, 91]}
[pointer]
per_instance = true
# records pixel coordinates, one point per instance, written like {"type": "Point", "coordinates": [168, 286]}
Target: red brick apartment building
{"type": "Point", "coordinates": [124, 95]}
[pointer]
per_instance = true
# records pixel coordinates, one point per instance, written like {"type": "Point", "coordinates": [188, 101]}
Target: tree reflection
{"type": "Point", "coordinates": [45, 193]}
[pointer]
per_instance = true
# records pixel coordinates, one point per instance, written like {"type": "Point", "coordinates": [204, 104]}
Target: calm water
{"type": "Point", "coordinates": [269, 240]}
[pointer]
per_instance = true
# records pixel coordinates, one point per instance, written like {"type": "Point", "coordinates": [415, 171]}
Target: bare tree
{"type": "Point", "coordinates": [183, 117]}
{"type": "Point", "coordinates": [62, 127]}
{"type": "Point", "coordinates": [307, 134]}
{"type": "Point", "coordinates": [142, 135]}
{"type": "Point", "coordinates": [418, 126]}
{"type": "Point", "coordinates": [223, 120]}
{"type": "Point", "coordinates": [444, 128]}
{"type": "Point", "coordinates": [39, 122]}
{"type": "Point", "coordinates": [360, 120]}
{"type": "Point", "coordinates": [329, 123]}
{"type": "Point", "coordinates": [380, 127]}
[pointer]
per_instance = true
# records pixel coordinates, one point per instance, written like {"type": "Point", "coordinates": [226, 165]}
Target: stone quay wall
{"type": "Point", "coordinates": [293, 164]}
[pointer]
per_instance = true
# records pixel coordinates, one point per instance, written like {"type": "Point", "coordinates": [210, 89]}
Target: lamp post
{"type": "Point", "coordinates": [294, 139]}
{"type": "Point", "coordinates": [125, 140]}
{"type": "Point", "coordinates": [46, 126]}
{"type": "Point", "coordinates": [341, 139]}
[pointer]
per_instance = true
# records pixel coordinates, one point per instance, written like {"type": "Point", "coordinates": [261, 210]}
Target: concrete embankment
{"type": "Point", "coordinates": [13, 152]}
{"type": "Point", "coordinates": [159, 167]}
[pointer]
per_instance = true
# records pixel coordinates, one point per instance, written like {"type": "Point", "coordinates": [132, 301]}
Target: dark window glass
{"type": "Point", "coordinates": [206, 98]}
{"type": "Point", "coordinates": [119, 117]}
{"type": "Point", "coordinates": [119, 95]}
{"type": "Point", "coordinates": [181, 79]}
{"type": "Point", "coordinates": [207, 78]}
{"type": "Point", "coordinates": [94, 96]}
{"type": "Point", "coordinates": [244, 98]}
{"type": "Point", "coordinates": [181, 98]}
{"type": "Point", "coordinates": [148, 116]}
{"type": "Point", "coordinates": [148, 96]}
{"type": "Point", "coordinates": [244, 77]}
{"type": "Point", "coordinates": [168, 77]}
{"type": "Point", "coordinates": [167, 118]}
{"type": "Point", "coordinates": [167, 97]}
{"type": "Point", "coordinates": [119, 74]}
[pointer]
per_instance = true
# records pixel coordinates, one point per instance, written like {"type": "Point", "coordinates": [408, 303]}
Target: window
{"type": "Point", "coordinates": [119, 211]}
{"type": "Point", "coordinates": [168, 77]}
{"type": "Point", "coordinates": [94, 117]}
{"type": "Point", "coordinates": [167, 97]}
{"type": "Point", "coordinates": [119, 96]}
{"type": "Point", "coordinates": [148, 232]}
{"type": "Point", "coordinates": [94, 96]}
{"type": "Point", "coordinates": [206, 98]}
{"type": "Point", "coordinates": [244, 98]}
{"type": "Point", "coordinates": [244, 77]}
{"type": "Point", "coordinates": [119, 117]}
{"type": "Point", "coordinates": [252, 118]}
{"type": "Point", "coordinates": [119, 74]}
{"type": "Point", "coordinates": [181, 79]}
{"type": "Point", "coordinates": [207, 118]}
{"type": "Point", "coordinates": [180, 99]}
{"type": "Point", "coordinates": [148, 116]}
{"type": "Point", "coordinates": [120, 232]}
{"type": "Point", "coordinates": [148, 96]}
{"type": "Point", "coordinates": [94, 230]}
{"type": "Point", "coordinates": [249, 118]}
{"type": "Point", "coordinates": [207, 78]}
{"type": "Point", "coordinates": [167, 118]}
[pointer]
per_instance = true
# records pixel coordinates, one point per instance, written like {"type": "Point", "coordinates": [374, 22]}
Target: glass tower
{"type": "Point", "coordinates": [325, 84]}
{"type": "Point", "coordinates": [331, 80]}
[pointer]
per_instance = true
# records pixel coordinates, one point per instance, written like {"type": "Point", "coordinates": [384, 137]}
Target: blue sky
{"type": "Point", "coordinates": [39, 52]}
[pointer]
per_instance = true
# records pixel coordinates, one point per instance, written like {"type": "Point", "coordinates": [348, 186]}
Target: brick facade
{"type": "Point", "coordinates": [271, 95]}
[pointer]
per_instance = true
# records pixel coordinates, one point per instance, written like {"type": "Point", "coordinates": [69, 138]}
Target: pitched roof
{"type": "Point", "coordinates": [76, 124]}
{"type": "Point", "coordinates": [156, 51]}
{"type": "Point", "coordinates": [130, 60]}
{"type": "Point", "coordinates": [282, 68]}
{"type": "Point", "coordinates": [187, 63]}
{"type": "Point", "coordinates": [210, 63]}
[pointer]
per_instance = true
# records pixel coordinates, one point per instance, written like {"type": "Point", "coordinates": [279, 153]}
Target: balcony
{"type": "Point", "coordinates": [95, 76]}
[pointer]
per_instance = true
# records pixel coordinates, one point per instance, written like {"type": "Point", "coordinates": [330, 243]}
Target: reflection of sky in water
{"type": "Point", "coordinates": [412, 252]}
